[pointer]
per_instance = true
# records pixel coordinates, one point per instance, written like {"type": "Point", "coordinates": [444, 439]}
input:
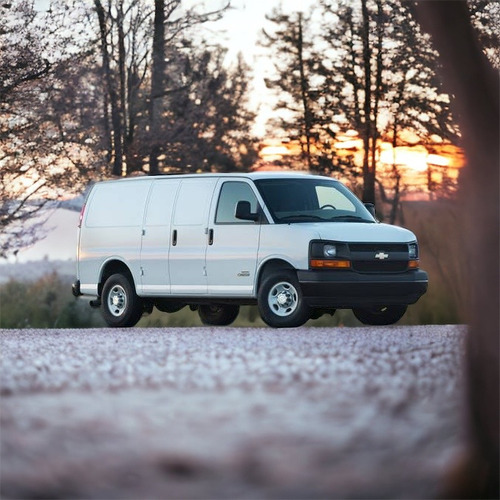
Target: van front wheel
{"type": "Point", "coordinates": [280, 300]}
{"type": "Point", "coordinates": [120, 305]}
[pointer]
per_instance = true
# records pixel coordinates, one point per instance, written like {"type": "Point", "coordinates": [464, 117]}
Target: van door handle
{"type": "Point", "coordinates": [174, 238]}
{"type": "Point", "coordinates": [210, 236]}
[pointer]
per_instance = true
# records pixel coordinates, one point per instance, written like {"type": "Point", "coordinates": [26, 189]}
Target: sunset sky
{"type": "Point", "coordinates": [240, 30]}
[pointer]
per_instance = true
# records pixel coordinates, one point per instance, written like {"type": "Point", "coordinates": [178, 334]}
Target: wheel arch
{"type": "Point", "coordinates": [270, 266]}
{"type": "Point", "coordinates": [113, 266]}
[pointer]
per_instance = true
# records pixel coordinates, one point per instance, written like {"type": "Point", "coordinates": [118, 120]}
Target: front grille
{"type": "Point", "coordinates": [375, 266]}
{"type": "Point", "coordinates": [379, 257]}
{"type": "Point", "coordinates": [378, 247]}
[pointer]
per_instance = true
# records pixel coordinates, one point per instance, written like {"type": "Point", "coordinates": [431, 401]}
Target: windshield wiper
{"type": "Point", "coordinates": [350, 218]}
{"type": "Point", "coordinates": [301, 217]}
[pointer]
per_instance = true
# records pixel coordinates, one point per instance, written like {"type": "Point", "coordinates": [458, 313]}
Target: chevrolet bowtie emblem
{"type": "Point", "coordinates": [381, 255]}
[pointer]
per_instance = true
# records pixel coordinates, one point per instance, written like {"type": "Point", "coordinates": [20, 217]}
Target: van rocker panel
{"type": "Point", "coordinates": [346, 289]}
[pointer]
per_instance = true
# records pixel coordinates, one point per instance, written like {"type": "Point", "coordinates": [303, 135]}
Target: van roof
{"type": "Point", "coordinates": [247, 175]}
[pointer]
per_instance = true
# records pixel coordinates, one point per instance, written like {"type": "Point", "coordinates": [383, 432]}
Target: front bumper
{"type": "Point", "coordinates": [343, 289]}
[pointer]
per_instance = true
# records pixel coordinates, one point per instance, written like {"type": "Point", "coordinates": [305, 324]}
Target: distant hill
{"type": "Point", "coordinates": [34, 270]}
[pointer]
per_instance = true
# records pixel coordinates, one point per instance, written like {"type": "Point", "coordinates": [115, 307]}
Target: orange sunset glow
{"type": "Point", "coordinates": [421, 167]}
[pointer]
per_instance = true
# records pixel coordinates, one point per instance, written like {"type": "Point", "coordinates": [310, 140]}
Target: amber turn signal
{"type": "Point", "coordinates": [413, 264]}
{"type": "Point", "coordinates": [331, 264]}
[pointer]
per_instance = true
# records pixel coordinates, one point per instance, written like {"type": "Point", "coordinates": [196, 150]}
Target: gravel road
{"type": "Point", "coordinates": [230, 413]}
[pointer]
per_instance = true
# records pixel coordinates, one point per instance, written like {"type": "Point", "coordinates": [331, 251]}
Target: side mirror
{"type": "Point", "coordinates": [243, 211]}
{"type": "Point", "coordinates": [371, 208]}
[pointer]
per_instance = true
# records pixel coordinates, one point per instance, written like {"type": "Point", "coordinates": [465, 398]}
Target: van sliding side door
{"type": "Point", "coordinates": [156, 237]}
{"type": "Point", "coordinates": [188, 274]}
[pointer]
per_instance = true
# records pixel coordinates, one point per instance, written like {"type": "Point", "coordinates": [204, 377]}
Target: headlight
{"type": "Point", "coordinates": [330, 251]}
{"type": "Point", "coordinates": [413, 251]}
{"type": "Point", "coordinates": [329, 255]}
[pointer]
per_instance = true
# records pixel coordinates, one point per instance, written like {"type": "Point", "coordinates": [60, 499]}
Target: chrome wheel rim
{"type": "Point", "coordinates": [117, 300]}
{"type": "Point", "coordinates": [283, 299]}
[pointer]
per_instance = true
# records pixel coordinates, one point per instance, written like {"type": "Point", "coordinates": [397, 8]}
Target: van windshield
{"type": "Point", "coordinates": [311, 200]}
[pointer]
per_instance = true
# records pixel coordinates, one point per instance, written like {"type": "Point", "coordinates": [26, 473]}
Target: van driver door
{"type": "Point", "coordinates": [231, 257]}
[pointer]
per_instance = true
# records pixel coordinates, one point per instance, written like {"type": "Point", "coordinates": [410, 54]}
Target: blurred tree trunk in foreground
{"type": "Point", "coordinates": [475, 85]}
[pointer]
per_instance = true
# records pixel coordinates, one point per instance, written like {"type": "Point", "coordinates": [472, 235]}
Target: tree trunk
{"type": "Point", "coordinates": [304, 87]}
{"type": "Point", "coordinates": [108, 140]}
{"type": "Point", "coordinates": [116, 124]}
{"type": "Point", "coordinates": [368, 174]}
{"type": "Point", "coordinates": [122, 81]}
{"type": "Point", "coordinates": [157, 86]}
{"type": "Point", "coordinates": [377, 94]}
{"type": "Point", "coordinates": [395, 171]}
{"type": "Point", "coordinates": [469, 77]}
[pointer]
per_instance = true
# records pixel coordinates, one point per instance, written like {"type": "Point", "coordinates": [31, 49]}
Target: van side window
{"type": "Point", "coordinates": [230, 194]}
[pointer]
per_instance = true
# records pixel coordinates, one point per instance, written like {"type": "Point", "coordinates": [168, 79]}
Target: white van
{"type": "Point", "coordinates": [296, 245]}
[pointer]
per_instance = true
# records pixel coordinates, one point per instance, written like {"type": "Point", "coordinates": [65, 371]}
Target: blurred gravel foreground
{"type": "Point", "coordinates": [230, 413]}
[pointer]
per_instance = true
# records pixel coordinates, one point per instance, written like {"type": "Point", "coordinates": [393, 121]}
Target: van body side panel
{"type": "Point", "coordinates": [232, 260]}
{"type": "Point", "coordinates": [111, 230]}
{"type": "Point", "coordinates": [187, 269]}
{"type": "Point", "coordinates": [157, 237]}
{"type": "Point", "coordinates": [288, 242]}
{"type": "Point", "coordinates": [231, 257]}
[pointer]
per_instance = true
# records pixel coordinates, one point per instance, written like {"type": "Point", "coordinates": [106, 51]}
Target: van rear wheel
{"type": "Point", "coordinates": [380, 315]}
{"type": "Point", "coordinates": [120, 305]}
{"type": "Point", "coordinates": [218, 314]}
{"type": "Point", "coordinates": [280, 300]}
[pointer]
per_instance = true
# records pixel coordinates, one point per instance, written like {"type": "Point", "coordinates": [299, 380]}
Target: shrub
{"type": "Point", "coordinates": [44, 303]}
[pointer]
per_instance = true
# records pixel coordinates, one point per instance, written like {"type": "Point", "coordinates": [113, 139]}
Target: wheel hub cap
{"type": "Point", "coordinates": [117, 300]}
{"type": "Point", "coordinates": [283, 299]}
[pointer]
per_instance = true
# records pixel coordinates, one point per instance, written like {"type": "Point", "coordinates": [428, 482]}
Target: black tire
{"type": "Point", "coordinates": [218, 314]}
{"type": "Point", "coordinates": [380, 315]}
{"type": "Point", "coordinates": [280, 300]}
{"type": "Point", "coordinates": [120, 305]}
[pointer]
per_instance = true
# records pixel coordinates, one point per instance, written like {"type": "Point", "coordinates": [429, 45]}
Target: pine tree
{"type": "Point", "coordinates": [366, 67]}
{"type": "Point", "coordinates": [388, 85]}
{"type": "Point", "coordinates": [292, 42]}
{"type": "Point", "coordinates": [206, 125]}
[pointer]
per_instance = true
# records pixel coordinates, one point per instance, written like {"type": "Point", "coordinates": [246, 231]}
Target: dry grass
{"type": "Point", "coordinates": [440, 232]}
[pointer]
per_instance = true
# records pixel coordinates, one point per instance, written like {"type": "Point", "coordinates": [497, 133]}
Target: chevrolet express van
{"type": "Point", "coordinates": [297, 245]}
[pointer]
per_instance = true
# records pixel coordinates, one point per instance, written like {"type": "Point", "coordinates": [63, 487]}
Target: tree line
{"type": "Point", "coordinates": [91, 89]}
{"type": "Point", "coordinates": [364, 66]}
{"type": "Point", "coordinates": [98, 88]}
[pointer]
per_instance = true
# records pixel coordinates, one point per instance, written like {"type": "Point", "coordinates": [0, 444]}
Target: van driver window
{"type": "Point", "coordinates": [231, 193]}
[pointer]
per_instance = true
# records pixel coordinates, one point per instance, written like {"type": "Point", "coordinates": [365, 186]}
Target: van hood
{"type": "Point", "coordinates": [362, 233]}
